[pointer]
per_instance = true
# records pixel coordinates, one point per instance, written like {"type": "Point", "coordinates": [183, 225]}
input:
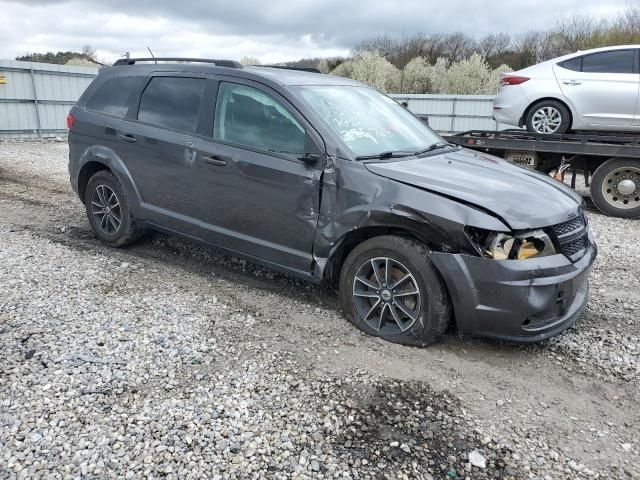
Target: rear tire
{"type": "Point", "coordinates": [615, 188]}
{"type": "Point", "coordinates": [108, 210]}
{"type": "Point", "coordinates": [548, 117]}
{"type": "Point", "coordinates": [390, 289]}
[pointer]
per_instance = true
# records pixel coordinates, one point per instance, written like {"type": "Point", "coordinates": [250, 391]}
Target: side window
{"type": "Point", "coordinates": [172, 102]}
{"type": "Point", "coordinates": [112, 96]}
{"type": "Point", "coordinates": [249, 117]}
{"type": "Point", "coordinates": [574, 64]}
{"type": "Point", "coordinates": [617, 61]}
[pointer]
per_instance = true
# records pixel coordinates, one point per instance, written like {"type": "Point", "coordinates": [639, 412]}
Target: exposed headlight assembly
{"type": "Point", "coordinates": [520, 246]}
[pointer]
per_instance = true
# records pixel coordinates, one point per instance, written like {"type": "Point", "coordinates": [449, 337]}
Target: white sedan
{"type": "Point", "coordinates": [589, 90]}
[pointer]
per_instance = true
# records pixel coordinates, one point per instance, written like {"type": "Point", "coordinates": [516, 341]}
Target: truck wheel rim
{"type": "Point", "coordinates": [621, 188]}
{"type": "Point", "coordinates": [546, 120]}
{"type": "Point", "coordinates": [386, 295]}
{"type": "Point", "coordinates": [105, 208]}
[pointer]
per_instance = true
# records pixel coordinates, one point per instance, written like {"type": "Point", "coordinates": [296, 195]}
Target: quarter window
{"type": "Point", "coordinates": [574, 64]}
{"type": "Point", "coordinates": [617, 61]}
{"type": "Point", "coordinates": [112, 96]}
{"type": "Point", "coordinates": [172, 102]}
{"type": "Point", "coordinates": [249, 117]}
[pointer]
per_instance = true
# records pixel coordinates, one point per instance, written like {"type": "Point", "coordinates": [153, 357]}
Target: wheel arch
{"type": "Point", "coordinates": [523, 119]}
{"type": "Point", "coordinates": [351, 239]}
{"type": "Point", "coordinates": [97, 158]}
{"type": "Point", "coordinates": [89, 169]}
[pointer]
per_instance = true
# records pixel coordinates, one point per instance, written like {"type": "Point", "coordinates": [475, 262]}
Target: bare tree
{"type": "Point", "coordinates": [383, 44]}
{"type": "Point", "coordinates": [493, 44]}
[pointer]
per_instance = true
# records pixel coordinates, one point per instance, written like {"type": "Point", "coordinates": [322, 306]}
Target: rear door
{"type": "Point", "coordinates": [256, 195]}
{"type": "Point", "coordinates": [603, 87]}
{"type": "Point", "coordinates": [161, 155]}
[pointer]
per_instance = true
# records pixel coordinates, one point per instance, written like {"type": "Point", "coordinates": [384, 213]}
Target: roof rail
{"type": "Point", "coordinates": [284, 67]}
{"type": "Point", "coordinates": [217, 63]}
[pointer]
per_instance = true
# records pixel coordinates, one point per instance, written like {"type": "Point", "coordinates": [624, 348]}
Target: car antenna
{"type": "Point", "coordinates": [152, 55]}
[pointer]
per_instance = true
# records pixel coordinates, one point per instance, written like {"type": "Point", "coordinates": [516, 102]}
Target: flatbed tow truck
{"type": "Point", "coordinates": [608, 161]}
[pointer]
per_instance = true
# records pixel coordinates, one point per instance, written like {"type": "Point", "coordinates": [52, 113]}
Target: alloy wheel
{"type": "Point", "coordinates": [621, 188]}
{"type": "Point", "coordinates": [546, 120]}
{"type": "Point", "coordinates": [105, 207]}
{"type": "Point", "coordinates": [386, 295]}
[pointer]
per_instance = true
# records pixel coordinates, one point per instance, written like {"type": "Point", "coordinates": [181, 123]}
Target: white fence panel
{"type": "Point", "coordinates": [35, 98]}
{"type": "Point", "coordinates": [454, 113]}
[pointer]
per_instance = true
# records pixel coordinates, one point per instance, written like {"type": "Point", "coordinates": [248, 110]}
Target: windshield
{"type": "Point", "coordinates": [369, 122]}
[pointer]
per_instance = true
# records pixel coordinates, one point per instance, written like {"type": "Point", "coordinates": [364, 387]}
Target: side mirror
{"type": "Point", "coordinates": [310, 158]}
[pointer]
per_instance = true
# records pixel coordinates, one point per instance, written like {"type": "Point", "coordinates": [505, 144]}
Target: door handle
{"type": "Point", "coordinates": [572, 82]}
{"type": "Point", "coordinates": [127, 137]}
{"type": "Point", "coordinates": [214, 160]}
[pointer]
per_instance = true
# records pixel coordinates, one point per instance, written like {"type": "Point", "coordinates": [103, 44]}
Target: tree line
{"type": "Point", "coordinates": [433, 63]}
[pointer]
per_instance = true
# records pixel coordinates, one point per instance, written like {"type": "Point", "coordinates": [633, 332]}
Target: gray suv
{"type": "Point", "coordinates": [329, 180]}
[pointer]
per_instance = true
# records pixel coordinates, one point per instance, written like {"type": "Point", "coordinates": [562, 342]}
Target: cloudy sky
{"type": "Point", "coordinates": [271, 30]}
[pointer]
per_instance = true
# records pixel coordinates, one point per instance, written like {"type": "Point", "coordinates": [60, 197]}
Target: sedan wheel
{"type": "Point", "coordinates": [546, 120]}
{"type": "Point", "coordinates": [548, 117]}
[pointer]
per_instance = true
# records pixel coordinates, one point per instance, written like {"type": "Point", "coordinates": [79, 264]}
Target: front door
{"type": "Point", "coordinates": [603, 86]}
{"type": "Point", "coordinates": [256, 195]}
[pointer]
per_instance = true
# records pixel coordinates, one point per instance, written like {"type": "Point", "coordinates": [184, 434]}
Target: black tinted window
{"type": "Point", "coordinates": [247, 116]}
{"type": "Point", "coordinates": [172, 102]}
{"type": "Point", "coordinates": [113, 95]}
{"type": "Point", "coordinates": [574, 64]}
{"type": "Point", "coordinates": [619, 61]}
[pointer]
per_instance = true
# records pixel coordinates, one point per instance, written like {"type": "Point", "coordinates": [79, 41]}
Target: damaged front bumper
{"type": "Point", "coordinates": [518, 300]}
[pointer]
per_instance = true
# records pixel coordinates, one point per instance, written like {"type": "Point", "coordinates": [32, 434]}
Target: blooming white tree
{"type": "Point", "coordinates": [372, 69]}
{"type": "Point", "coordinates": [345, 69]}
{"type": "Point", "coordinates": [471, 76]}
{"type": "Point", "coordinates": [249, 61]}
{"type": "Point", "coordinates": [438, 76]}
{"type": "Point", "coordinates": [416, 76]}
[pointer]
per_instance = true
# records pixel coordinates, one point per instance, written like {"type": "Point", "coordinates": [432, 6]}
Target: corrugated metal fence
{"type": "Point", "coordinates": [454, 113]}
{"type": "Point", "coordinates": [35, 97]}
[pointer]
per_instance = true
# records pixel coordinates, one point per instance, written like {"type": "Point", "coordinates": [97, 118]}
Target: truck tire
{"type": "Point", "coordinates": [548, 117]}
{"type": "Point", "coordinates": [390, 289]}
{"type": "Point", "coordinates": [615, 188]}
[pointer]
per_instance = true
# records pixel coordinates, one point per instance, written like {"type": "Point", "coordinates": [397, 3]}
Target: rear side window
{"type": "Point", "coordinates": [574, 64]}
{"type": "Point", "coordinates": [619, 61]}
{"type": "Point", "coordinates": [112, 96]}
{"type": "Point", "coordinates": [172, 102]}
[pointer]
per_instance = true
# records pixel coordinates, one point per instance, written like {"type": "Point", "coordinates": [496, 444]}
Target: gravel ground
{"type": "Point", "coordinates": [168, 360]}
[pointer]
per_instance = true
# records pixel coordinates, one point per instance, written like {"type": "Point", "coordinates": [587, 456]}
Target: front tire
{"type": "Point", "coordinates": [108, 210]}
{"type": "Point", "coordinates": [615, 188]}
{"type": "Point", "coordinates": [389, 288]}
{"type": "Point", "coordinates": [548, 117]}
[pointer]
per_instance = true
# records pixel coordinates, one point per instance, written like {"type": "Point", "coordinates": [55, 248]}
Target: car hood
{"type": "Point", "coordinates": [521, 198]}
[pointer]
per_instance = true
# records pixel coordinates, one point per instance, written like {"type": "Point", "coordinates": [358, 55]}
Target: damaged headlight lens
{"type": "Point", "coordinates": [521, 246]}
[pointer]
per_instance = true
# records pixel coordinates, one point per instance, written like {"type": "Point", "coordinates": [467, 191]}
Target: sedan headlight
{"type": "Point", "coordinates": [520, 246]}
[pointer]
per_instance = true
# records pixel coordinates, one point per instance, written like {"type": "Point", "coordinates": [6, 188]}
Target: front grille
{"type": "Point", "coordinates": [572, 237]}
{"type": "Point", "coordinates": [572, 248]}
{"type": "Point", "coordinates": [569, 226]}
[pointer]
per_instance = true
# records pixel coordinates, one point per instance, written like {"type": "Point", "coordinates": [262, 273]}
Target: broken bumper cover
{"type": "Point", "coordinates": [517, 300]}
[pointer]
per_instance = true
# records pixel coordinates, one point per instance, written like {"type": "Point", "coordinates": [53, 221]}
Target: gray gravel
{"type": "Point", "coordinates": [168, 360]}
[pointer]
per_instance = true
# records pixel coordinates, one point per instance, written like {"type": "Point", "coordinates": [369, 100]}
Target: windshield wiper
{"type": "Point", "coordinates": [383, 155]}
{"type": "Point", "coordinates": [433, 147]}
